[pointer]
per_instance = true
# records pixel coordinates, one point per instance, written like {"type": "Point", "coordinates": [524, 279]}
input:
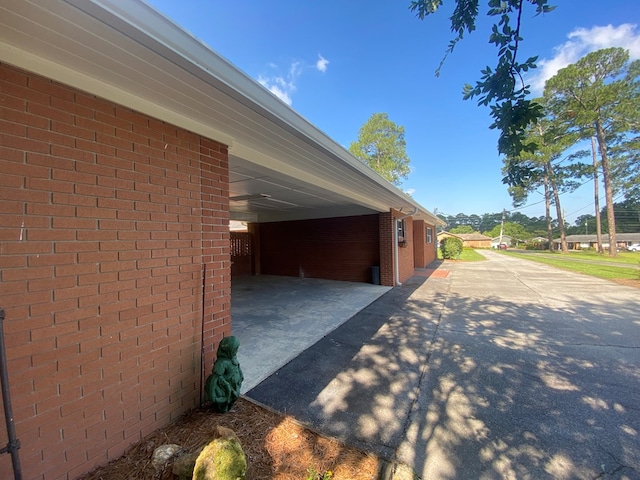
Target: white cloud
{"type": "Point", "coordinates": [322, 63]}
{"type": "Point", "coordinates": [410, 191]}
{"type": "Point", "coordinates": [282, 86]}
{"type": "Point", "coordinates": [581, 42]}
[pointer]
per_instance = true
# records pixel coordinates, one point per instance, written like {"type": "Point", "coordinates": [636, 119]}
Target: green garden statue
{"type": "Point", "coordinates": [223, 385]}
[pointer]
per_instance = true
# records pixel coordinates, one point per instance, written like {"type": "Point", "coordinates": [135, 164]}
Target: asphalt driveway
{"type": "Point", "coordinates": [504, 369]}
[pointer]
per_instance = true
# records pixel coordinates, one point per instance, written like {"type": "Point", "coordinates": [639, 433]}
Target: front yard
{"type": "Point", "coordinates": [625, 268]}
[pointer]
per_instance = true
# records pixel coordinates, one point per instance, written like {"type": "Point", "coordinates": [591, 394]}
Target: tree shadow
{"type": "Point", "coordinates": [465, 387]}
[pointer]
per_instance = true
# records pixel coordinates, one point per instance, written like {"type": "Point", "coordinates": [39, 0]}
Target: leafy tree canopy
{"type": "Point", "coordinates": [514, 230]}
{"type": "Point", "coordinates": [501, 88]}
{"type": "Point", "coordinates": [382, 146]}
{"type": "Point", "coordinates": [599, 96]}
{"type": "Point", "coordinates": [463, 229]}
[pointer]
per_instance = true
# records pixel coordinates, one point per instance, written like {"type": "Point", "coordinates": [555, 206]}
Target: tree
{"type": "Point", "coordinates": [599, 96]}
{"type": "Point", "coordinates": [382, 146]}
{"type": "Point", "coordinates": [501, 88]}
{"type": "Point", "coordinates": [514, 230]}
{"type": "Point", "coordinates": [552, 137]}
{"type": "Point", "coordinates": [462, 229]}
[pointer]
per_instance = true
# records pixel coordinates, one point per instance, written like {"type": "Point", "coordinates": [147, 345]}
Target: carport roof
{"type": "Point", "coordinates": [281, 166]}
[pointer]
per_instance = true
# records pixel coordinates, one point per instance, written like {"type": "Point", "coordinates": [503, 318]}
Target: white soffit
{"type": "Point", "coordinates": [126, 52]}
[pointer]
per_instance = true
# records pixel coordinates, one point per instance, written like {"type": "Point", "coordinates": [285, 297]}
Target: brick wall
{"type": "Point", "coordinates": [405, 253]}
{"type": "Point", "coordinates": [106, 220]}
{"type": "Point", "coordinates": [430, 253]}
{"type": "Point", "coordinates": [387, 260]}
{"type": "Point", "coordinates": [424, 252]}
{"type": "Point", "coordinates": [335, 248]}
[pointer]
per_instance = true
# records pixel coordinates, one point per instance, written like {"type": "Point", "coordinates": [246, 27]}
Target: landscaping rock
{"type": "Point", "coordinates": [163, 454]}
{"type": "Point", "coordinates": [222, 459]}
{"type": "Point", "coordinates": [183, 465]}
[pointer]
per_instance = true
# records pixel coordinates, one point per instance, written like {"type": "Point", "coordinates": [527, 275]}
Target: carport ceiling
{"type": "Point", "coordinates": [281, 166]}
{"type": "Point", "coordinates": [260, 194]}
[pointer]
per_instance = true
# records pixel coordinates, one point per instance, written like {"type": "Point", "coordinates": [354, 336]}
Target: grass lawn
{"type": "Point", "coordinates": [632, 258]}
{"type": "Point", "coordinates": [597, 270]}
{"type": "Point", "coordinates": [467, 255]}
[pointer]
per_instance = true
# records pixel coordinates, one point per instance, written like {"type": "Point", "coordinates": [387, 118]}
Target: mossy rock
{"type": "Point", "coordinates": [221, 459]}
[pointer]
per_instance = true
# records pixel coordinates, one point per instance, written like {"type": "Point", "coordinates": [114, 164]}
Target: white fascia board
{"type": "Point", "coordinates": [55, 71]}
{"type": "Point", "coordinates": [149, 27]}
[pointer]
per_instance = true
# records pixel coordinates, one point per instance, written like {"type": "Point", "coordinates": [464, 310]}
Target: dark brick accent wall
{"type": "Point", "coordinates": [334, 248]}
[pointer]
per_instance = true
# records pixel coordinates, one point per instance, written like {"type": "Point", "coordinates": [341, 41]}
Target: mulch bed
{"type": "Point", "coordinates": [276, 447]}
{"type": "Point", "coordinates": [629, 282]}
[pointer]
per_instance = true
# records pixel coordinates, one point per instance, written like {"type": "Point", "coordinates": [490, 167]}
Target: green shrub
{"type": "Point", "coordinates": [451, 247]}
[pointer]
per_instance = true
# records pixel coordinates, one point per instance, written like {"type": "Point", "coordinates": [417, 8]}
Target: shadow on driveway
{"type": "Point", "coordinates": [466, 387]}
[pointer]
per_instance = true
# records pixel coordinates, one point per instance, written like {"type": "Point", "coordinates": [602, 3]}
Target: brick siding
{"type": "Point", "coordinates": [424, 252]}
{"type": "Point", "coordinates": [107, 217]}
{"type": "Point", "coordinates": [405, 253]}
{"type": "Point", "coordinates": [387, 261]}
{"type": "Point", "coordinates": [336, 248]}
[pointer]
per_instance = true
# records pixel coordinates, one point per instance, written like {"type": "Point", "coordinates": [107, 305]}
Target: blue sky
{"type": "Point", "coordinates": [337, 62]}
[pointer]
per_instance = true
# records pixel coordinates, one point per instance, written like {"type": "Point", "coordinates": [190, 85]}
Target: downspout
{"type": "Point", "coordinates": [14, 444]}
{"type": "Point", "coordinates": [395, 243]}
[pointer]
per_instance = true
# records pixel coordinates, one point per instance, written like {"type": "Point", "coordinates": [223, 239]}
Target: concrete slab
{"type": "Point", "coordinates": [504, 369]}
{"type": "Point", "coordinates": [275, 318]}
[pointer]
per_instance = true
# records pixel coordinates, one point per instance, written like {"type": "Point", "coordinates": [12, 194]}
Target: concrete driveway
{"type": "Point", "coordinates": [504, 369]}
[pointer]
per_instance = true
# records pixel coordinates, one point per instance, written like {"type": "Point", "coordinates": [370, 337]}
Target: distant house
{"type": "Point", "coordinates": [470, 240]}
{"type": "Point", "coordinates": [505, 240]}
{"type": "Point", "coordinates": [539, 240]}
{"type": "Point", "coordinates": [579, 242]}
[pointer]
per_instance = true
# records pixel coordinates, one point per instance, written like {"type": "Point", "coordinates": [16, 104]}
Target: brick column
{"type": "Point", "coordinates": [386, 249]}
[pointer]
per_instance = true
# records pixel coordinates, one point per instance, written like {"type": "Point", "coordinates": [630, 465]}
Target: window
{"type": "Point", "coordinates": [402, 239]}
{"type": "Point", "coordinates": [429, 238]}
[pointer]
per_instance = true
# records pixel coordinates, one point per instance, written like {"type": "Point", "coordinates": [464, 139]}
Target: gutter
{"type": "Point", "coordinates": [395, 244]}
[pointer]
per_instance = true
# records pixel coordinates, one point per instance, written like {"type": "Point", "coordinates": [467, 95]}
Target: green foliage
{"type": "Point", "coordinates": [382, 146]}
{"type": "Point", "coordinates": [502, 88]}
{"type": "Point", "coordinates": [627, 215]}
{"type": "Point", "coordinates": [462, 229]}
{"type": "Point", "coordinates": [599, 96]}
{"type": "Point", "coordinates": [451, 247]}
{"type": "Point", "coordinates": [313, 474]}
{"type": "Point", "coordinates": [514, 230]}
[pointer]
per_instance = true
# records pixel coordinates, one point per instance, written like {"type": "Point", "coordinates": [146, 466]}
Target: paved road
{"type": "Point", "coordinates": [505, 369]}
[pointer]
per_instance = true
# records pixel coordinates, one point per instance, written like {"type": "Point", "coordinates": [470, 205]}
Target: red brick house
{"type": "Point", "coordinates": [126, 146]}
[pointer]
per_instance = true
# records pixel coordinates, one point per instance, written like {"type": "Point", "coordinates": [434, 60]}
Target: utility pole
{"type": "Point", "coordinates": [501, 229]}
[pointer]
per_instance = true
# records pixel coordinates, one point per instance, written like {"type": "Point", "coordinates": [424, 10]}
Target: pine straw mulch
{"type": "Point", "coordinates": [276, 447]}
{"type": "Point", "coordinates": [629, 282]}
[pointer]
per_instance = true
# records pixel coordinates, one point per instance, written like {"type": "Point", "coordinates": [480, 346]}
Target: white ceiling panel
{"type": "Point", "coordinates": [126, 52]}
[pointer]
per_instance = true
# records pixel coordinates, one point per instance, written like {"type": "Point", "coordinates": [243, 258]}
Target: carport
{"type": "Point", "coordinates": [128, 145]}
{"type": "Point", "coordinates": [277, 317]}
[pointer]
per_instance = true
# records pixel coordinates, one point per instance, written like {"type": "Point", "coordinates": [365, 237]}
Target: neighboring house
{"type": "Point", "coordinates": [470, 240]}
{"type": "Point", "coordinates": [127, 146]}
{"type": "Point", "coordinates": [506, 240]}
{"type": "Point", "coordinates": [475, 240]}
{"type": "Point", "coordinates": [444, 234]}
{"type": "Point", "coordinates": [539, 240]}
{"type": "Point", "coordinates": [579, 242]}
